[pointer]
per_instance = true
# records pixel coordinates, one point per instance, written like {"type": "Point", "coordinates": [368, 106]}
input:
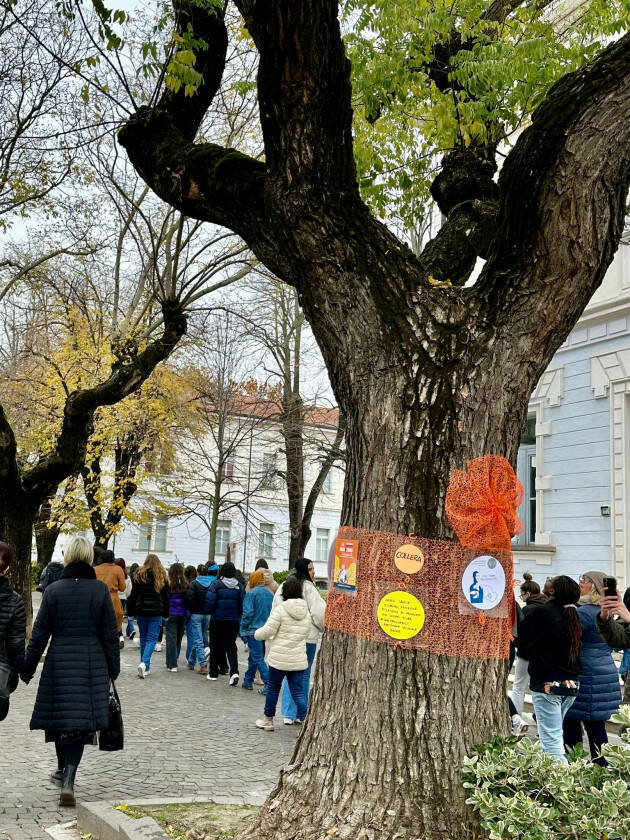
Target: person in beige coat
{"type": "Point", "coordinates": [287, 628]}
{"type": "Point", "coordinates": [113, 577]}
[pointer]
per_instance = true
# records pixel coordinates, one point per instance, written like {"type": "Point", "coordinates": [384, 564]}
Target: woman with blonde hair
{"type": "Point", "coordinates": [72, 703]}
{"type": "Point", "coordinates": [599, 696]}
{"type": "Point", "coordinates": [148, 604]}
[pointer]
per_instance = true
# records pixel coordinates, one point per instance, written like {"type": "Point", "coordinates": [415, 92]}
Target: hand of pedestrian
{"type": "Point", "coordinates": [613, 605]}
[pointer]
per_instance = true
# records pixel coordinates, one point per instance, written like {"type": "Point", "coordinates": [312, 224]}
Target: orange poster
{"type": "Point", "coordinates": [344, 577]}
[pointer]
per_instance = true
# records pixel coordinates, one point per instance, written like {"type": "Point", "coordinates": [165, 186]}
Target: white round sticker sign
{"type": "Point", "coordinates": [483, 582]}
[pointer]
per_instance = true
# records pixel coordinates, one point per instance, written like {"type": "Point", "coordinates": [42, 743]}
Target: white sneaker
{"type": "Point", "coordinates": [136, 642]}
{"type": "Point", "coordinates": [234, 679]}
{"type": "Point", "coordinates": [519, 727]}
{"type": "Point", "coordinates": [121, 641]}
{"type": "Point", "coordinates": [214, 679]}
{"type": "Point", "coordinates": [158, 647]}
{"type": "Point", "coordinates": [265, 723]}
{"type": "Point", "coordinates": [288, 721]}
{"type": "Point", "coordinates": [206, 653]}
{"type": "Point", "coordinates": [142, 670]}
{"type": "Point", "coordinates": [172, 670]}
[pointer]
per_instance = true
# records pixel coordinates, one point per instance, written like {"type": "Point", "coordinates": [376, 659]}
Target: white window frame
{"type": "Point", "coordinates": [223, 543]}
{"type": "Point", "coordinates": [327, 486]}
{"type": "Point", "coordinates": [150, 528]}
{"type": "Point", "coordinates": [266, 540]}
{"type": "Point", "coordinates": [322, 557]}
{"type": "Point", "coordinates": [269, 479]}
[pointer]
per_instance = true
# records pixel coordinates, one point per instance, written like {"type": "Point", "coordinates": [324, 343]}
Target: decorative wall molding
{"type": "Point", "coordinates": [550, 386]}
{"type": "Point", "coordinates": [608, 368]}
{"type": "Point", "coordinates": [594, 329]}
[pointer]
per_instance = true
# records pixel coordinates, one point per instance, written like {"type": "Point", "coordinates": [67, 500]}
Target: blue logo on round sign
{"type": "Point", "coordinates": [492, 562]}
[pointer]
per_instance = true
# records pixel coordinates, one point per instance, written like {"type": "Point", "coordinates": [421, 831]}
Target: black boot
{"type": "Point", "coordinates": [66, 797]}
{"type": "Point", "coordinates": [57, 776]}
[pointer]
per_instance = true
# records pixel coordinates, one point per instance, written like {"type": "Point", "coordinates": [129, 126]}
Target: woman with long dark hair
{"type": "Point", "coordinates": [12, 631]}
{"type": "Point", "coordinates": [550, 638]}
{"type": "Point", "coordinates": [176, 621]}
{"type": "Point", "coordinates": [599, 696]}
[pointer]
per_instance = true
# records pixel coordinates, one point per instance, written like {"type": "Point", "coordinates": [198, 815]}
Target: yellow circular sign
{"type": "Point", "coordinates": [400, 615]}
{"type": "Point", "coordinates": [409, 559]}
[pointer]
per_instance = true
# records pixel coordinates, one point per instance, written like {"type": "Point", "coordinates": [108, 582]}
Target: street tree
{"type": "Point", "coordinates": [279, 325]}
{"type": "Point", "coordinates": [430, 367]}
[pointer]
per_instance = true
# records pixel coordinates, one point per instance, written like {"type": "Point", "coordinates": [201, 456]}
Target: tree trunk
{"type": "Point", "coordinates": [388, 728]}
{"type": "Point", "coordinates": [16, 528]}
{"type": "Point", "coordinates": [214, 516]}
{"type": "Point", "coordinates": [45, 536]}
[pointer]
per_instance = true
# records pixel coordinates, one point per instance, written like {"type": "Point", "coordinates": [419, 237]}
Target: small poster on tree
{"type": "Point", "coordinates": [344, 566]}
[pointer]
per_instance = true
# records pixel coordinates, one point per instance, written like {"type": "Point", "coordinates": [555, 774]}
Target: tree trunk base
{"type": "Point", "coordinates": [381, 752]}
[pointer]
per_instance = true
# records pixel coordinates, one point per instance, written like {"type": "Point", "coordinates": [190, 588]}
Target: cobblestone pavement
{"type": "Point", "coordinates": [184, 736]}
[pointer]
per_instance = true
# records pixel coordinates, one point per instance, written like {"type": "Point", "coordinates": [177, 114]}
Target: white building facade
{"type": "Point", "coordinates": [574, 457]}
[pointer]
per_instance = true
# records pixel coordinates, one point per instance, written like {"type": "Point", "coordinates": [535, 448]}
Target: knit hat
{"type": "Point", "coordinates": [256, 578]}
{"type": "Point", "coordinates": [597, 579]}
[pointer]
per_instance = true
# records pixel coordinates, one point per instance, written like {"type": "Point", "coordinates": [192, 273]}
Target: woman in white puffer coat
{"type": "Point", "coordinates": [287, 628]}
{"type": "Point", "coordinates": [305, 572]}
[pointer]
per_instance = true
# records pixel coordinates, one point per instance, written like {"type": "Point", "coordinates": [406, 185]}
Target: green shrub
{"type": "Point", "coordinates": [523, 794]}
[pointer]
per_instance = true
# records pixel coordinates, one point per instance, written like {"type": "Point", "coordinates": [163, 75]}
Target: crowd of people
{"type": "Point", "coordinates": [564, 638]}
{"type": "Point", "coordinates": [81, 618]}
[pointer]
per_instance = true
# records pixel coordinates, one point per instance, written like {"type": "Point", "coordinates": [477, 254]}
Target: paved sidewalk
{"type": "Point", "coordinates": [184, 736]}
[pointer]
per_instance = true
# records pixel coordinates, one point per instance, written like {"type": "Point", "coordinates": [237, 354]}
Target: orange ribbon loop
{"type": "Point", "coordinates": [481, 503]}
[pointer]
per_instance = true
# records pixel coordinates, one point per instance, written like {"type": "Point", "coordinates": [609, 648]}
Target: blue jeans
{"type": "Point", "coordinates": [196, 628]}
{"type": "Point", "coordinates": [295, 681]}
{"type": "Point", "coordinates": [256, 662]}
{"type": "Point", "coordinates": [149, 627]}
{"type": "Point", "coordinates": [625, 663]}
{"type": "Point", "coordinates": [288, 707]}
{"type": "Point", "coordinates": [550, 711]}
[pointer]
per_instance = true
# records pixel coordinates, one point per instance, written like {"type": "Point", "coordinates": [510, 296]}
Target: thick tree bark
{"type": "Point", "coordinates": [46, 535]}
{"type": "Point", "coordinates": [427, 376]}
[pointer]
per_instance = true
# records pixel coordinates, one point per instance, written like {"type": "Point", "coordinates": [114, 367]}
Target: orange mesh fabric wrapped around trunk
{"type": "Point", "coordinates": [481, 504]}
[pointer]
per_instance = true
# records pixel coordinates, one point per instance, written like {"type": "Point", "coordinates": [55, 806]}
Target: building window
{"type": "Point", "coordinates": [227, 471]}
{"type": "Point", "coordinates": [265, 540]}
{"type": "Point", "coordinates": [526, 471]}
{"type": "Point", "coordinates": [224, 527]}
{"type": "Point", "coordinates": [321, 545]}
{"type": "Point", "coordinates": [269, 471]}
{"type": "Point", "coordinates": [153, 535]}
{"type": "Point", "coordinates": [161, 529]}
{"type": "Point", "coordinates": [327, 486]}
{"type": "Point", "coordinates": [144, 536]}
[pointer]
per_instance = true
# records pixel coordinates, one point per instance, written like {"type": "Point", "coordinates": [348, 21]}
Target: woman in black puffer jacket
{"type": "Point", "coordinates": [12, 632]}
{"type": "Point", "coordinates": [72, 702]}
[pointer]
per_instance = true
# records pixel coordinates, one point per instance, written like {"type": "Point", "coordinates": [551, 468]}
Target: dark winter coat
{"type": "Point", "coordinates": [51, 573]}
{"type": "Point", "coordinates": [77, 615]}
{"type": "Point", "coordinates": [533, 602]}
{"type": "Point", "coordinates": [599, 696]}
{"type": "Point", "coordinates": [195, 596]}
{"type": "Point", "coordinates": [12, 630]}
{"type": "Point", "coordinates": [224, 601]}
{"type": "Point", "coordinates": [544, 642]}
{"type": "Point", "coordinates": [144, 601]}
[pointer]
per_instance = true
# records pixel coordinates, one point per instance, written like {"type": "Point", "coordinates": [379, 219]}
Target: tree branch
{"type": "Point", "coordinates": [564, 188]}
{"type": "Point", "coordinates": [125, 378]}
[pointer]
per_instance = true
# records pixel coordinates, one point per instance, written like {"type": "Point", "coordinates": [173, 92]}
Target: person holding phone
{"type": "Point", "coordinates": [615, 633]}
{"type": "Point", "coordinates": [550, 638]}
{"type": "Point", "coordinates": [599, 696]}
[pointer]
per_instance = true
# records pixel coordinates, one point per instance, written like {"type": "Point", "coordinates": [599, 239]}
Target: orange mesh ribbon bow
{"type": "Point", "coordinates": [481, 503]}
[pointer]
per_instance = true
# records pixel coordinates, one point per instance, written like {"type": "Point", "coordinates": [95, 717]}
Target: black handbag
{"type": "Point", "coordinates": [112, 737]}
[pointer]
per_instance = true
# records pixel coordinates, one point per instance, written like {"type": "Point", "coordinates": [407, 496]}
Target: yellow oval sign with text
{"type": "Point", "coordinates": [409, 559]}
{"type": "Point", "coordinates": [400, 615]}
